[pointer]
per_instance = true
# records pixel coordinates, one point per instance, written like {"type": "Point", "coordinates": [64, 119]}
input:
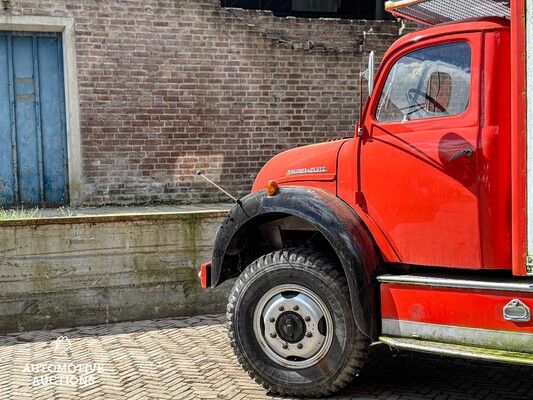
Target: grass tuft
{"type": "Point", "coordinates": [18, 214]}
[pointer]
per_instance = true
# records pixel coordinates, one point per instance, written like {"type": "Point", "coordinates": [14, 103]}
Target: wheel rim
{"type": "Point", "coordinates": [293, 326]}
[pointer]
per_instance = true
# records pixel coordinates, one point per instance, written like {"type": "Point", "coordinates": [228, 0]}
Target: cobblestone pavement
{"type": "Point", "coordinates": [191, 359]}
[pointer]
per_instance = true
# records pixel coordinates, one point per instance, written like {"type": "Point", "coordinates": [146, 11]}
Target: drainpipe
{"type": "Point", "coordinates": [380, 10]}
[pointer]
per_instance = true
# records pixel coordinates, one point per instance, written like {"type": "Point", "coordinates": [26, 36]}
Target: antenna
{"type": "Point", "coordinates": [200, 173]}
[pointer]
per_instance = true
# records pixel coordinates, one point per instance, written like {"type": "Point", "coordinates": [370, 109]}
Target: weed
{"type": "Point", "coordinates": [16, 214]}
{"type": "Point", "coordinates": [67, 212]}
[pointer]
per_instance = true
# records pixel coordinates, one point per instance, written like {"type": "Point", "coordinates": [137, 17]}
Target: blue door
{"type": "Point", "coordinates": [33, 146]}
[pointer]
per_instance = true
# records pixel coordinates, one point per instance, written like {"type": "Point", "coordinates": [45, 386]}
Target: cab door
{"type": "Point", "coordinates": [419, 156]}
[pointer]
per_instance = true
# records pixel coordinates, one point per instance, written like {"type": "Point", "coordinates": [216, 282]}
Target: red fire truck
{"type": "Point", "coordinates": [416, 232]}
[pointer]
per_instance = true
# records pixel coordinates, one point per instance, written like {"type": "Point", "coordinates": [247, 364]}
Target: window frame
{"type": "Point", "coordinates": [474, 40]}
{"type": "Point", "coordinates": [368, 14]}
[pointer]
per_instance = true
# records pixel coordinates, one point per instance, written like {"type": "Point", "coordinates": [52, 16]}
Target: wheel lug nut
{"type": "Point", "coordinates": [296, 308]}
{"type": "Point", "coordinates": [285, 347]}
{"type": "Point", "coordinates": [307, 319]}
{"type": "Point", "coordinates": [309, 334]}
{"type": "Point", "coordinates": [272, 319]}
{"type": "Point", "coordinates": [281, 308]}
{"type": "Point", "coordinates": [299, 345]}
{"type": "Point", "coordinates": [272, 335]}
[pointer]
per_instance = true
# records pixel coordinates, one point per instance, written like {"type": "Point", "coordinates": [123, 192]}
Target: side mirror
{"type": "Point", "coordinates": [369, 73]}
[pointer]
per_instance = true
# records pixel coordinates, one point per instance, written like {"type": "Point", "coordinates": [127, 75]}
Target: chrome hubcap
{"type": "Point", "coordinates": [293, 326]}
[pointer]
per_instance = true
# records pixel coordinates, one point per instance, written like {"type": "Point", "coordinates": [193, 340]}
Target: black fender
{"type": "Point", "coordinates": [339, 224]}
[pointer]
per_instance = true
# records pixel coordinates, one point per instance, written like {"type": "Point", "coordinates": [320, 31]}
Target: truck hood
{"type": "Point", "coordinates": [317, 162]}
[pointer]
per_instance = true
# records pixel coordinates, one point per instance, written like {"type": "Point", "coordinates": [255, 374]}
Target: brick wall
{"type": "Point", "coordinates": [170, 86]}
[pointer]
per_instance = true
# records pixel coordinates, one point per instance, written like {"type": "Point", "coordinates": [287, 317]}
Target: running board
{"type": "Point", "coordinates": [456, 350]}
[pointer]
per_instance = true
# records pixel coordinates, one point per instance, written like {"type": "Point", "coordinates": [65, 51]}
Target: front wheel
{"type": "Point", "coordinates": [291, 325]}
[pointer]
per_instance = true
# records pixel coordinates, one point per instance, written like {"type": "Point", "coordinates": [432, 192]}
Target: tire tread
{"type": "Point", "coordinates": [310, 260]}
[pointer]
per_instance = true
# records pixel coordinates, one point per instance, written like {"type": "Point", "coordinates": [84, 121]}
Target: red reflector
{"type": "Point", "coordinates": [205, 274]}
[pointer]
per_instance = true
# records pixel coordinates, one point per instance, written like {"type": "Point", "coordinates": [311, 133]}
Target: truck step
{"type": "Point", "coordinates": [456, 350]}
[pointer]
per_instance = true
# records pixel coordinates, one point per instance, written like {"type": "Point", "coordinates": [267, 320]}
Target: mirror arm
{"type": "Point", "coordinates": [371, 73]}
{"type": "Point", "coordinates": [359, 130]}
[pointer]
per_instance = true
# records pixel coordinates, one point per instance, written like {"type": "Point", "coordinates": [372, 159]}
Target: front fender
{"type": "Point", "coordinates": [339, 224]}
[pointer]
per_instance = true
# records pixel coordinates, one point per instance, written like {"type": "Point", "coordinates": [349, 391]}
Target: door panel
{"type": "Point", "coordinates": [426, 203]}
{"type": "Point", "coordinates": [7, 180]}
{"type": "Point", "coordinates": [418, 175]}
{"type": "Point", "coordinates": [52, 103]}
{"type": "Point", "coordinates": [28, 154]}
{"type": "Point", "coordinates": [32, 120]}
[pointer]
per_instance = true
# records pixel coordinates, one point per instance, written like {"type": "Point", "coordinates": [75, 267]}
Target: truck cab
{"type": "Point", "coordinates": [409, 233]}
{"type": "Point", "coordinates": [440, 117]}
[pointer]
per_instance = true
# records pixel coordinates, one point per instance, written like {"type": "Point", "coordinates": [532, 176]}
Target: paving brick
{"type": "Point", "coordinates": [191, 359]}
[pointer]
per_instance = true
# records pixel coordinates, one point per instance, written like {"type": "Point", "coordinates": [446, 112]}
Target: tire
{"type": "Point", "coordinates": [291, 325]}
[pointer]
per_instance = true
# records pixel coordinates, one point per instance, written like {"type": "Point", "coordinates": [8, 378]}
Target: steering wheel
{"type": "Point", "coordinates": [412, 96]}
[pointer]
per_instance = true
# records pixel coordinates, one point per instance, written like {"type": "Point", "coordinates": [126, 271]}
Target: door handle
{"type": "Point", "coordinates": [516, 311]}
{"type": "Point", "coordinates": [465, 152]}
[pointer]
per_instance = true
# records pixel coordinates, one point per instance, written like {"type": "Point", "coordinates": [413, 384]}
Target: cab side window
{"type": "Point", "coordinates": [427, 83]}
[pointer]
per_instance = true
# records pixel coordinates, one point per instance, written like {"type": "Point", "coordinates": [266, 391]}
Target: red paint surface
{"type": "Point", "coordinates": [420, 207]}
{"type": "Point", "coordinates": [323, 155]}
{"type": "Point", "coordinates": [494, 176]}
{"type": "Point", "coordinates": [433, 211]}
{"type": "Point", "coordinates": [348, 190]}
{"type": "Point", "coordinates": [518, 144]}
{"type": "Point", "coordinates": [456, 307]}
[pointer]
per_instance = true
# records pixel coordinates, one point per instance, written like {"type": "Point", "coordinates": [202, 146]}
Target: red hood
{"type": "Point", "coordinates": [317, 162]}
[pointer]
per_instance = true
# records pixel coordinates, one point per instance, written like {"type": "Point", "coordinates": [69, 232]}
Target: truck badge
{"type": "Point", "coordinates": [313, 170]}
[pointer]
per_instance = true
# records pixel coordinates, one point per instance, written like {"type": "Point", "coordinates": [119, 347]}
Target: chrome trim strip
{"type": "Point", "coordinates": [456, 283]}
{"type": "Point", "coordinates": [486, 338]}
{"type": "Point", "coordinates": [455, 350]}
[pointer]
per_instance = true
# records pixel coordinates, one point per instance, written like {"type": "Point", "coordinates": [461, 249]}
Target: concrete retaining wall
{"type": "Point", "coordinates": [64, 272]}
